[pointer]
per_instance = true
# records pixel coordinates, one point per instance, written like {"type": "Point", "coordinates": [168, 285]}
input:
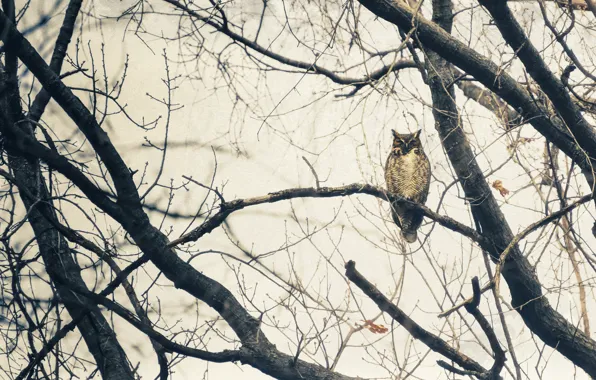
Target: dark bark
{"type": "Point", "coordinates": [43, 97]}
{"type": "Point", "coordinates": [65, 274]}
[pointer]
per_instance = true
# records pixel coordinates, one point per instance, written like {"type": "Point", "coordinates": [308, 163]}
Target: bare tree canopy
{"type": "Point", "coordinates": [196, 189]}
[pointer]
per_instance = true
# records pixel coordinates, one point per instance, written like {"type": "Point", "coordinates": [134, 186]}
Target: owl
{"type": "Point", "coordinates": [407, 174]}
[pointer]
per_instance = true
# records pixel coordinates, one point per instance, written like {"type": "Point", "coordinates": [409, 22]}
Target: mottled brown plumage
{"type": "Point", "coordinates": [407, 174]}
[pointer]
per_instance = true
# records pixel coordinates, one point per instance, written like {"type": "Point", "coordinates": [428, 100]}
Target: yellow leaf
{"type": "Point", "coordinates": [499, 186]}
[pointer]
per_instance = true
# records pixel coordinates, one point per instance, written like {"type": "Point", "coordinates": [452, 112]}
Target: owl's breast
{"type": "Point", "coordinates": [410, 163]}
{"type": "Point", "coordinates": [408, 175]}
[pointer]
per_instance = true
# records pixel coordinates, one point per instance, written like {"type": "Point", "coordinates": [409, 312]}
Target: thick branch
{"type": "Point", "coordinates": [43, 97]}
{"type": "Point", "coordinates": [323, 192]}
{"type": "Point", "coordinates": [490, 101]}
{"type": "Point", "coordinates": [27, 146]}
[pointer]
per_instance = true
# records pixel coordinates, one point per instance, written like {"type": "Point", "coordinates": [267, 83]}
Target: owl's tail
{"type": "Point", "coordinates": [395, 218]}
{"type": "Point", "coordinates": [409, 236]}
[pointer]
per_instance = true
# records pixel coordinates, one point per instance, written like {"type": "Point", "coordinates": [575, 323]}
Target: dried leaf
{"type": "Point", "coordinates": [499, 186]}
{"type": "Point", "coordinates": [374, 328]}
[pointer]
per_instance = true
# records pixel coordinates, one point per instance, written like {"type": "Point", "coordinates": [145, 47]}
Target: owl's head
{"type": "Point", "coordinates": [404, 143]}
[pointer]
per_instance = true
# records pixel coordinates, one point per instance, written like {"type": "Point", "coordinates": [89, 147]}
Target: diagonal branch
{"type": "Point", "coordinates": [533, 227]}
{"type": "Point", "coordinates": [490, 101]}
{"type": "Point", "coordinates": [27, 146]}
{"type": "Point", "coordinates": [43, 97]}
{"type": "Point", "coordinates": [429, 339]}
{"type": "Point", "coordinates": [472, 308]}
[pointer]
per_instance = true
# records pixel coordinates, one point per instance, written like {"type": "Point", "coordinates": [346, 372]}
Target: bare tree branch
{"type": "Point", "coordinates": [43, 97]}
{"type": "Point", "coordinates": [472, 308]}
{"type": "Point", "coordinates": [323, 192]}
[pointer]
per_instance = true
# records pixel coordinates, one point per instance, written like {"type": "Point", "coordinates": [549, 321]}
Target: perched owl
{"type": "Point", "coordinates": [407, 174]}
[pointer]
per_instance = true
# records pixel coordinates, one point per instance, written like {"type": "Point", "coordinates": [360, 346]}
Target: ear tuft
{"type": "Point", "coordinates": [417, 134]}
{"type": "Point", "coordinates": [395, 134]}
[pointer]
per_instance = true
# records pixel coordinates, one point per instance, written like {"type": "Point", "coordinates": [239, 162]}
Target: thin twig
{"type": "Point", "coordinates": [314, 173]}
